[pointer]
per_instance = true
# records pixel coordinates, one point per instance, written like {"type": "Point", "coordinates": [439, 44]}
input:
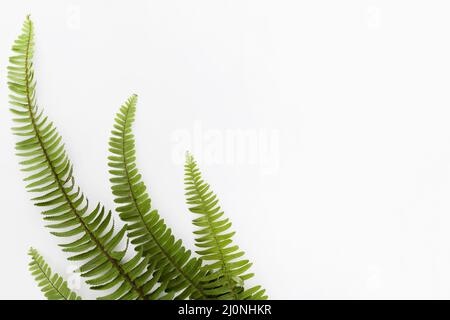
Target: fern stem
{"type": "Point", "coordinates": [195, 285]}
{"type": "Point", "coordinates": [113, 261]}
{"type": "Point", "coordinates": [224, 266]}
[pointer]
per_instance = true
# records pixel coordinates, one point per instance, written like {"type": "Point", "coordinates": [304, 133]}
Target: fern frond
{"type": "Point", "coordinates": [145, 227]}
{"type": "Point", "coordinates": [226, 269]}
{"type": "Point", "coordinates": [52, 284]}
{"type": "Point", "coordinates": [93, 238]}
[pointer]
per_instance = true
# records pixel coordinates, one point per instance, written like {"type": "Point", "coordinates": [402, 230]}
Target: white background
{"type": "Point", "coordinates": [357, 92]}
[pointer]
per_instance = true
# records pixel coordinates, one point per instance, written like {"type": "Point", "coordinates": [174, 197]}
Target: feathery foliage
{"type": "Point", "coordinates": [52, 285]}
{"type": "Point", "coordinates": [161, 267]}
{"type": "Point", "coordinates": [227, 272]}
{"type": "Point", "coordinates": [145, 227]}
{"type": "Point", "coordinates": [50, 177]}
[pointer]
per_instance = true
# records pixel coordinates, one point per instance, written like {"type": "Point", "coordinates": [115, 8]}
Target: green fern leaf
{"type": "Point", "coordinates": [52, 285]}
{"type": "Point", "coordinates": [146, 228]}
{"type": "Point", "coordinates": [226, 269]}
{"type": "Point", "coordinates": [94, 240]}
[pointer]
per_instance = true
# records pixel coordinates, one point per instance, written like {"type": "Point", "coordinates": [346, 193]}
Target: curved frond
{"type": "Point", "coordinates": [145, 227]}
{"type": "Point", "coordinates": [226, 269]}
{"type": "Point", "coordinates": [91, 236]}
{"type": "Point", "coordinates": [52, 285]}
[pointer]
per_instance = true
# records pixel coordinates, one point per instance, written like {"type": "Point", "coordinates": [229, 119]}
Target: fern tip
{"type": "Point", "coordinates": [189, 157]}
{"type": "Point", "coordinates": [133, 98]}
{"type": "Point", "coordinates": [28, 19]}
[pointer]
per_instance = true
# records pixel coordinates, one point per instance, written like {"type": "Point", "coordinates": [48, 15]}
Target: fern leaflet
{"type": "Point", "coordinates": [52, 285]}
{"type": "Point", "coordinates": [145, 227]}
{"type": "Point", "coordinates": [226, 271]}
{"type": "Point", "coordinates": [65, 206]}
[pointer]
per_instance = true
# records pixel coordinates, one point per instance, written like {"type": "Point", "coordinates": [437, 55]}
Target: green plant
{"type": "Point", "coordinates": [52, 285]}
{"type": "Point", "coordinates": [226, 271]}
{"type": "Point", "coordinates": [161, 267]}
